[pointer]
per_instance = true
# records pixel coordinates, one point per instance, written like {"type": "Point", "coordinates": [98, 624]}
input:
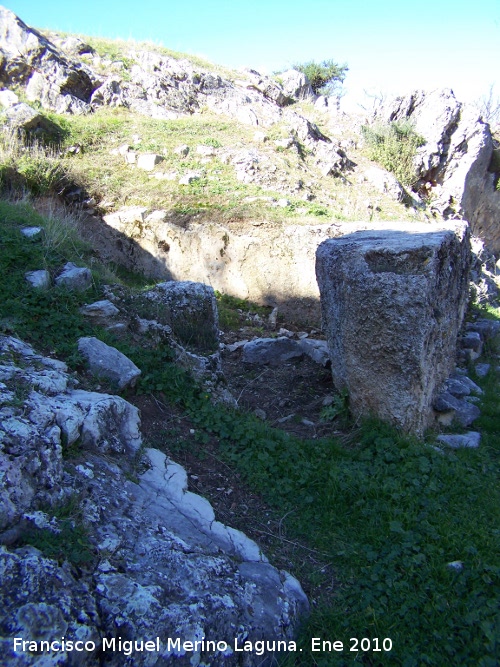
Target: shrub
{"type": "Point", "coordinates": [394, 147]}
{"type": "Point", "coordinates": [324, 77]}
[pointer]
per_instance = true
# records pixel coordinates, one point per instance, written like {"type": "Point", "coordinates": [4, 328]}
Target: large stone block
{"type": "Point", "coordinates": [393, 300]}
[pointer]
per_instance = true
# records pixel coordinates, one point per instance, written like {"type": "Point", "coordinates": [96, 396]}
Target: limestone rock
{"type": "Point", "coordinates": [102, 309]}
{"type": "Point", "coordinates": [43, 601]}
{"type": "Point", "coordinates": [317, 350]}
{"type": "Point", "coordinates": [23, 118]}
{"type": "Point", "coordinates": [269, 88]}
{"type": "Point", "coordinates": [190, 309]}
{"type": "Point", "coordinates": [296, 85]}
{"type": "Point", "coordinates": [148, 161]}
{"type": "Point", "coordinates": [470, 439]}
{"type": "Point", "coordinates": [455, 409]}
{"type": "Point", "coordinates": [8, 98]}
{"type": "Point", "coordinates": [164, 566]}
{"type": "Point", "coordinates": [38, 279]}
{"type": "Point", "coordinates": [393, 300]}
{"type": "Point", "coordinates": [74, 278]}
{"type": "Point", "coordinates": [454, 161]}
{"type": "Point", "coordinates": [109, 363]}
{"type": "Point", "coordinates": [273, 351]}
{"type": "Point", "coordinates": [28, 57]}
{"type": "Point", "coordinates": [385, 182]}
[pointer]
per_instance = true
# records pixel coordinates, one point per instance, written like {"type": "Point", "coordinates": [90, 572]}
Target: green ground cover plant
{"type": "Point", "coordinates": [394, 147]}
{"type": "Point", "coordinates": [388, 513]}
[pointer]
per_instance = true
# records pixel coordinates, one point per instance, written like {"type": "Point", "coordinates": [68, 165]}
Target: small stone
{"type": "Point", "coordinates": [38, 279]}
{"type": "Point", "coordinates": [102, 308]}
{"type": "Point", "coordinates": [283, 203]}
{"type": "Point", "coordinates": [74, 278]}
{"type": "Point", "coordinates": [30, 231]}
{"type": "Point", "coordinates": [261, 414]}
{"type": "Point", "coordinates": [456, 565]}
{"type": "Point", "coordinates": [148, 161]}
{"type": "Point", "coordinates": [482, 370]}
{"type": "Point", "coordinates": [182, 150]}
{"type": "Point", "coordinates": [206, 151]}
{"type": "Point", "coordinates": [470, 440]}
{"type": "Point", "coordinates": [189, 178]}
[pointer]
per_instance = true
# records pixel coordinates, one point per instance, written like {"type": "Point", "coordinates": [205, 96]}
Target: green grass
{"type": "Point", "coordinates": [394, 146]}
{"type": "Point", "coordinates": [69, 541]}
{"type": "Point", "coordinates": [386, 512]}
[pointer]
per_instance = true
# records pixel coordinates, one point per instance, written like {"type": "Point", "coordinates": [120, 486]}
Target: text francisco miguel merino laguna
{"type": "Point", "coordinates": [170, 646]}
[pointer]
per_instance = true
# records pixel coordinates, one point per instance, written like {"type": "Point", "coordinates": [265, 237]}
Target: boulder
{"type": "Point", "coordinates": [393, 300]}
{"type": "Point", "coordinates": [109, 363]}
{"type": "Point", "coordinates": [74, 278]}
{"type": "Point", "coordinates": [190, 309]}
{"type": "Point", "coordinates": [25, 120]}
{"type": "Point", "coordinates": [296, 85]}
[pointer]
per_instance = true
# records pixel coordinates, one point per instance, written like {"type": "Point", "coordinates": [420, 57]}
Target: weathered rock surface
{"type": "Point", "coordinates": [296, 85]}
{"type": "Point", "coordinates": [43, 601]}
{"type": "Point", "coordinates": [273, 351]}
{"type": "Point", "coordinates": [161, 564]}
{"type": "Point", "coordinates": [27, 57]}
{"type": "Point", "coordinates": [109, 363]}
{"type": "Point", "coordinates": [38, 279]}
{"type": "Point", "coordinates": [453, 163]}
{"type": "Point", "coordinates": [393, 300]}
{"type": "Point", "coordinates": [470, 440]}
{"type": "Point", "coordinates": [74, 278]}
{"type": "Point", "coordinates": [190, 309]}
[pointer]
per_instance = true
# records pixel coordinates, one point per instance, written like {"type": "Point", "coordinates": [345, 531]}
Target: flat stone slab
{"type": "Point", "coordinates": [393, 299]}
{"type": "Point", "coordinates": [273, 351]}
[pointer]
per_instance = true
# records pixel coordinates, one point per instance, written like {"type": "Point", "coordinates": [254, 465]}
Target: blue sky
{"type": "Point", "coordinates": [390, 46]}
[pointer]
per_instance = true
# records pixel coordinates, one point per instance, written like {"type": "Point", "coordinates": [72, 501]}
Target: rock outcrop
{"type": "Point", "coordinates": [28, 58]}
{"type": "Point", "coordinates": [154, 563]}
{"type": "Point", "coordinates": [452, 165]}
{"type": "Point", "coordinates": [393, 300]}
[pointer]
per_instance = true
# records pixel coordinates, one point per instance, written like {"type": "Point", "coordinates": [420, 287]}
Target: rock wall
{"type": "Point", "coordinates": [393, 300]}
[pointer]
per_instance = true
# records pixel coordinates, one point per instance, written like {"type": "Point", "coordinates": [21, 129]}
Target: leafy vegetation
{"type": "Point", "coordinates": [394, 147]}
{"type": "Point", "coordinates": [325, 76]}
{"type": "Point", "coordinates": [66, 540]}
